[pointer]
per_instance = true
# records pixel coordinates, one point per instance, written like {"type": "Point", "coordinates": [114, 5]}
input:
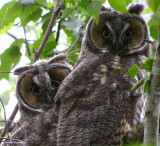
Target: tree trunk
{"type": "Point", "coordinates": [151, 126]}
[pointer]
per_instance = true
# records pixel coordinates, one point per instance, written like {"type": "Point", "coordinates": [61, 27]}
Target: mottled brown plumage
{"type": "Point", "coordinates": [36, 88]}
{"type": "Point", "coordinates": [94, 102]}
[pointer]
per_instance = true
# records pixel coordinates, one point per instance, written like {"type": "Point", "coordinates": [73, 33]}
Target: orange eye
{"type": "Point", "coordinates": [55, 84]}
{"type": "Point", "coordinates": [128, 34]}
{"type": "Point", "coordinates": [35, 89]}
{"type": "Point", "coordinates": [106, 34]}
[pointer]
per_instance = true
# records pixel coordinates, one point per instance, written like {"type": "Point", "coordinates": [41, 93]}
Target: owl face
{"type": "Point", "coordinates": [39, 83]}
{"type": "Point", "coordinates": [117, 33]}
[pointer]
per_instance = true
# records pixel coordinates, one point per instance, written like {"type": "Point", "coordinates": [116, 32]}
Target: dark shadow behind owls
{"type": "Point", "coordinates": [94, 102]}
{"type": "Point", "coordinates": [36, 88]}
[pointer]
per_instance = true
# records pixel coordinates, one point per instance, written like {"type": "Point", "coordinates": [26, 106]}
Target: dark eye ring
{"type": "Point", "coordinates": [106, 34]}
{"type": "Point", "coordinates": [128, 34]}
{"type": "Point", "coordinates": [55, 84]}
{"type": "Point", "coordinates": [35, 89]}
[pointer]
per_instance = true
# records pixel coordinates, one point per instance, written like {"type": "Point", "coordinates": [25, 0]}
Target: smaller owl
{"type": "Point", "coordinates": [38, 84]}
{"type": "Point", "coordinates": [36, 88]}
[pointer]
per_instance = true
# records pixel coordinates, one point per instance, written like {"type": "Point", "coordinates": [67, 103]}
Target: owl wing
{"type": "Point", "coordinates": [40, 130]}
{"type": "Point", "coordinates": [75, 85]}
{"type": "Point", "coordinates": [96, 105]}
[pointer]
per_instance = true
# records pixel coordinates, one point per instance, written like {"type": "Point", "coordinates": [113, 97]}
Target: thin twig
{"type": "Point", "coordinates": [4, 121]}
{"type": "Point", "coordinates": [58, 30]}
{"type": "Point", "coordinates": [3, 109]}
{"type": "Point", "coordinates": [71, 47]}
{"type": "Point", "coordinates": [11, 35]}
{"type": "Point", "coordinates": [56, 11]}
{"type": "Point", "coordinates": [154, 44]}
{"type": "Point", "coordinates": [8, 124]}
{"type": "Point", "coordinates": [43, 6]}
{"type": "Point", "coordinates": [26, 42]}
{"type": "Point", "coordinates": [4, 113]}
{"type": "Point", "coordinates": [3, 72]}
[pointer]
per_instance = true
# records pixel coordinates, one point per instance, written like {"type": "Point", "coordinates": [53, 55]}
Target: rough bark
{"type": "Point", "coordinates": [151, 127]}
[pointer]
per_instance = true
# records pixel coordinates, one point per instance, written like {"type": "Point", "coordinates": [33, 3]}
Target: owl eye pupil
{"type": "Point", "coordinates": [55, 84]}
{"type": "Point", "coordinates": [35, 89]}
{"type": "Point", "coordinates": [128, 34]}
{"type": "Point", "coordinates": [106, 34]}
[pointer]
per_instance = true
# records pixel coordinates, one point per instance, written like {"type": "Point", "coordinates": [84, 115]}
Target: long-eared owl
{"type": "Point", "coordinates": [36, 88]}
{"type": "Point", "coordinates": [94, 102]}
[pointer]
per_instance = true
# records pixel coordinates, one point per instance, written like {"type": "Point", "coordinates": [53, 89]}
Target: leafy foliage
{"type": "Point", "coordinates": [147, 65]}
{"type": "Point", "coordinates": [12, 55]}
{"type": "Point", "coordinates": [146, 84]}
{"type": "Point", "coordinates": [120, 5]}
{"type": "Point", "coordinates": [94, 9]}
{"type": "Point", "coordinates": [138, 84]}
{"type": "Point", "coordinates": [133, 71]}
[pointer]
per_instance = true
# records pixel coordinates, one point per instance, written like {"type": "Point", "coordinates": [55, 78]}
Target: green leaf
{"type": "Point", "coordinates": [83, 3]}
{"type": "Point", "coordinates": [27, 2]}
{"type": "Point", "coordinates": [73, 55]}
{"type": "Point", "coordinates": [46, 19]}
{"type": "Point", "coordinates": [128, 2]}
{"type": "Point", "coordinates": [11, 13]}
{"type": "Point", "coordinates": [154, 5]}
{"type": "Point", "coordinates": [50, 46]}
{"type": "Point", "coordinates": [133, 71]}
{"type": "Point", "coordinates": [147, 65]}
{"type": "Point", "coordinates": [18, 43]}
{"type": "Point", "coordinates": [50, 4]}
{"type": "Point", "coordinates": [10, 58]}
{"type": "Point", "coordinates": [103, 1]}
{"type": "Point", "coordinates": [30, 13]}
{"type": "Point", "coordinates": [6, 28]}
{"type": "Point", "coordinates": [137, 85]}
{"type": "Point", "coordinates": [147, 11]}
{"type": "Point", "coordinates": [36, 44]}
{"type": "Point", "coordinates": [48, 51]}
{"type": "Point", "coordinates": [94, 9]}
{"type": "Point", "coordinates": [119, 5]}
{"type": "Point", "coordinates": [74, 24]}
{"type": "Point", "coordinates": [4, 9]}
{"type": "Point", "coordinates": [146, 84]}
{"type": "Point", "coordinates": [67, 11]}
{"type": "Point", "coordinates": [155, 20]}
{"type": "Point", "coordinates": [154, 32]}
{"type": "Point", "coordinates": [41, 1]}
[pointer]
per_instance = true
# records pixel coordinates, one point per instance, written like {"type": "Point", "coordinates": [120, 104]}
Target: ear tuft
{"type": "Point", "coordinates": [105, 9]}
{"type": "Point", "coordinates": [58, 58]}
{"type": "Point", "coordinates": [20, 70]}
{"type": "Point", "coordinates": [136, 9]}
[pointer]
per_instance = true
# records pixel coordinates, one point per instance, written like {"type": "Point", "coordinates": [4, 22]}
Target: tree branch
{"type": "Point", "coordinates": [58, 30]}
{"type": "Point", "coordinates": [11, 35]}
{"type": "Point", "coordinates": [43, 6]}
{"type": "Point", "coordinates": [26, 42]}
{"type": "Point", "coordinates": [4, 113]}
{"type": "Point", "coordinates": [8, 124]}
{"type": "Point", "coordinates": [78, 38]}
{"type": "Point", "coordinates": [151, 125]}
{"type": "Point", "coordinates": [56, 11]}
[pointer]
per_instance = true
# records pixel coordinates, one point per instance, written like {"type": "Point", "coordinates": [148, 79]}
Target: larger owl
{"type": "Point", "coordinates": [36, 88]}
{"type": "Point", "coordinates": [94, 102]}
